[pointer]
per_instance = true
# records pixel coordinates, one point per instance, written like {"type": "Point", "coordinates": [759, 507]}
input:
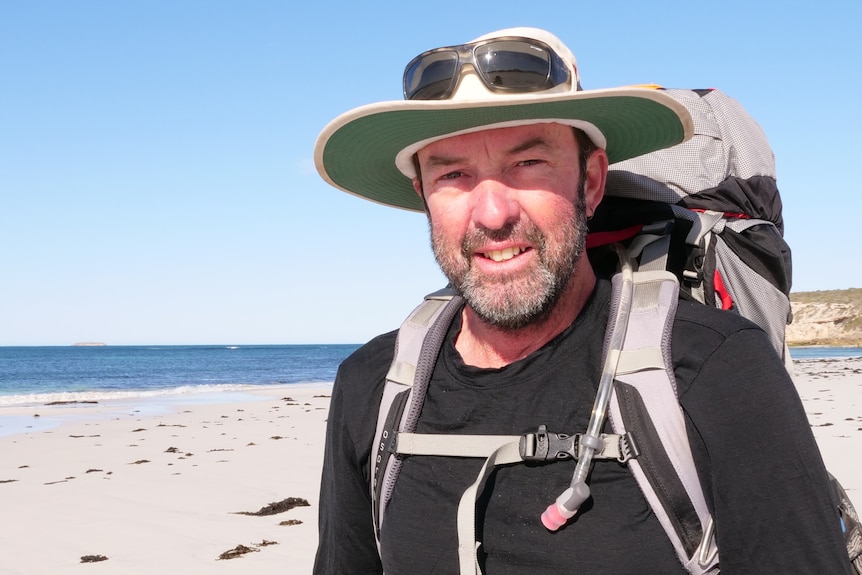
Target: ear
{"type": "Point", "coordinates": [417, 187]}
{"type": "Point", "coordinates": [596, 177]}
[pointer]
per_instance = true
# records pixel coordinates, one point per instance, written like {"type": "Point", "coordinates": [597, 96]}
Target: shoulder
{"type": "Point", "coordinates": [356, 395]}
{"type": "Point", "coordinates": [361, 374]}
{"type": "Point", "coordinates": [705, 339]}
{"type": "Point", "coordinates": [701, 329]}
{"type": "Point", "coordinates": [372, 356]}
{"type": "Point", "coordinates": [693, 316]}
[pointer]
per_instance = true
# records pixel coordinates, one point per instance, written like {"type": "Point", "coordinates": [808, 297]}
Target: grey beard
{"type": "Point", "coordinates": [513, 303]}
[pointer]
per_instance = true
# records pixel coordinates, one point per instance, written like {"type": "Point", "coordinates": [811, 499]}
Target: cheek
{"type": "Point", "coordinates": [546, 210]}
{"type": "Point", "coordinates": [449, 212]}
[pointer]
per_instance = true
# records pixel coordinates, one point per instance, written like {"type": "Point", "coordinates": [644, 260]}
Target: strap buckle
{"type": "Point", "coordinates": [545, 446]}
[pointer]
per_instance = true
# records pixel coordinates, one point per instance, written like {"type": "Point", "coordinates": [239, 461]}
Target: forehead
{"type": "Point", "coordinates": [504, 139]}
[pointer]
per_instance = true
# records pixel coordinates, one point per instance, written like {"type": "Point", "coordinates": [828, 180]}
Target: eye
{"type": "Point", "coordinates": [452, 175]}
{"type": "Point", "coordinates": [532, 162]}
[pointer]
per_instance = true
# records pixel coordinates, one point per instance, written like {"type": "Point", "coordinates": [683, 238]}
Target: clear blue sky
{"type": "Point", "coordinates": [156, 175]}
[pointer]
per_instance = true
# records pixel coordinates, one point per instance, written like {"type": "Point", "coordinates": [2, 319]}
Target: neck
{"type": "Point", "coordinates": [484, 345]}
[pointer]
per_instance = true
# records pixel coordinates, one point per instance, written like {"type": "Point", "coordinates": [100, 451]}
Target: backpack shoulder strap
{"type": "Point", "coordinates": [416, 348]}
{"type": "Point", "coordinates": [644, 404]}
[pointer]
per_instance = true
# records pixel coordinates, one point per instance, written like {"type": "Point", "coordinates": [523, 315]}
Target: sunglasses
{"type": "Point", "coordinates": [508, 64]}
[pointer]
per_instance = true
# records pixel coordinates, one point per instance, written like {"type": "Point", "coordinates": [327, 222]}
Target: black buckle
{"type": "Point", "coordinates": [546, 446]}
{"type": "Point", "coordinates": [692, 273]}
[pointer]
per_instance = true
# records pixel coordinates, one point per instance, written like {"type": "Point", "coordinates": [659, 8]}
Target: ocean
{"type": "Point", "coordinates": [823, 352]}
{"type": "Point", "coordinates": [38, 375]}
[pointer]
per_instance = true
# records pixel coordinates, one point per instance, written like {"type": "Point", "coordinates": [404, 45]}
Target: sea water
{"type": "Point", "coordinates": [823, 352]}
{"type": "Point", "coordinates": [93, 373]}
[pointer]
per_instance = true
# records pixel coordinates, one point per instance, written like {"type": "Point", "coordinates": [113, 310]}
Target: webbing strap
{"type": "Point", "coordinates": [467, 544]}
{"type": "Point", "coordinates": [653, 253]}
{"type": "Point", "coordinates": [702, 225]}
{"type": "Point", "coordinates": [632, 361]}
{"type": "Point", "coordinates": [451, 445]}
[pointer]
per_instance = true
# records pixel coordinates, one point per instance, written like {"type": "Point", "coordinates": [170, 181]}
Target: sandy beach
{"type": "Point", "coordinates": [229, 483]}
{"type": "Point", "coordinates": [165, 490]}
{"type": "Point", "coordinates": [831, 390]}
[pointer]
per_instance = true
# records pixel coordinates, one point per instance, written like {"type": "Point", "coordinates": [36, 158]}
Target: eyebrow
{"type": "Point", "coordinates": [443, 161]}
{"type": "Point", "coordinates": [532, 143]}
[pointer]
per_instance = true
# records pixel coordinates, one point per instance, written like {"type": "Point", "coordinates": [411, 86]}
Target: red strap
{"type": "Point", "coordinates": [596, 239]}
{"type": "Point", "coordinates": [721, 291]}
{"type": "Point", "coordinates": [730, 215]}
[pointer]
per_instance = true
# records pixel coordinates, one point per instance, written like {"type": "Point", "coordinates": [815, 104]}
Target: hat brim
{"type": "Point", "coordinates": [356, 151]}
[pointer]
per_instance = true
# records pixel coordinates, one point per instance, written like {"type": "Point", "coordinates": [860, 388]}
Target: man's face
{"type": "Point", "coordinates": [508, 211]}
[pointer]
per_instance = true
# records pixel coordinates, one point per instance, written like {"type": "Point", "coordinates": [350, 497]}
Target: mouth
{"type": "Point", "coordinates": [504, 254]}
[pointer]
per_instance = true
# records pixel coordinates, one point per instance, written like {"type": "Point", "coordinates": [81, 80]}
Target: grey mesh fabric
{"type": "Point", "coordinates": [722, 184]}
{"type": "Point", "coordinates": [726, 142]}
{"type": "Point", "coordinates": [756, 298]}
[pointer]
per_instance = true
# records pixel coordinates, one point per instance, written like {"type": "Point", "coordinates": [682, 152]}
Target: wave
{"type": "Point", "coordinates": [183, 391]}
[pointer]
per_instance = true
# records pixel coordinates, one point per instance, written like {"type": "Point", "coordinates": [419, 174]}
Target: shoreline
{"type": "Point", "coordinates": [35, 408]}
{"type": "Point", "coordinates": [822, 346]}
{"type": "Point", "coordinates": [171, 486]}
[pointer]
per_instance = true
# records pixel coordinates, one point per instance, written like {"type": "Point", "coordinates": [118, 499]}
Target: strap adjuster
{"type": "Point", "coordinates": [544, 445]}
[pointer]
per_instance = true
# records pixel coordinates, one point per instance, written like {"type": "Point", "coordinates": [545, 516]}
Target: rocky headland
{"type": "Point", "coordinates": [830, 317]}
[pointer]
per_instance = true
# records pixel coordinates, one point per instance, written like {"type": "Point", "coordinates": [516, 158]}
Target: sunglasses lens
{"type": "Point", "coordinates": [504, 65]}
{"type": "Point", "coordinates": [431, 76]}
{"type": "Point", "coordinates": [514, 65]}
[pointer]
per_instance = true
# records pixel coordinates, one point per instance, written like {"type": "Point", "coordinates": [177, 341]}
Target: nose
{"type": "Point", "coordinates": [494, 205]}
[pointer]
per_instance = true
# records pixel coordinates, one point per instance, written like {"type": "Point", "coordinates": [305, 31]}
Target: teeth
{"type": "Point", "coordinates": [502, 255]}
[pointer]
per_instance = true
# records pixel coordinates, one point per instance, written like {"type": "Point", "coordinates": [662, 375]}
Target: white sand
{"type": "Point", "coordinates": [831, 391]}
{"type": "Point", "coordinates": [83, 488]}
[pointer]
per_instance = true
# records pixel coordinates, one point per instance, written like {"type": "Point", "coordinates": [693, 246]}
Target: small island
{"type": "Point", "coordinates": [89, 344]}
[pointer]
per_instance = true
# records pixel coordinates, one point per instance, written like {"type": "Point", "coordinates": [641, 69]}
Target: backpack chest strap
{"type": "Point", "coordinates": [503, 450]}
{"type": "Point", "coordinates": [541, 445]}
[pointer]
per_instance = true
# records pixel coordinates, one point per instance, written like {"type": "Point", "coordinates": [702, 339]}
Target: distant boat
{"type": "Point", "coordinates": [233, 347]}
{"type": "Point", "coordinates": [89, 344]}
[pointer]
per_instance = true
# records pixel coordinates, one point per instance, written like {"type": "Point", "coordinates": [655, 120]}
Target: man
{"type": "Point", "coordinates": [508, 157]}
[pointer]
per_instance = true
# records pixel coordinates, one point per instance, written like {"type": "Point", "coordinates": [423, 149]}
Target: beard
{"type": "Point", "coordinates": [515, 301]}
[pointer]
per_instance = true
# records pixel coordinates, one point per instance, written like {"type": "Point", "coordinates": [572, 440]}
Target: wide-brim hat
{"type": "Point", "coordinates": [368, 150]}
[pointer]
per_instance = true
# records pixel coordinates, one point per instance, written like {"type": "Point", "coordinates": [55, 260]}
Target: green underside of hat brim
{"type": "Point", "coordinates": [359, 157]}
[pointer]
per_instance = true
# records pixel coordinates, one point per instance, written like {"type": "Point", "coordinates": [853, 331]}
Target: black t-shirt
{"type": "Point", "coordinates": [755, 452]}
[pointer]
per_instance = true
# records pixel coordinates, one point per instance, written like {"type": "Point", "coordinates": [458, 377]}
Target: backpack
{"type": "Point", "coordinates": [718, 193]}
{"type": "Point", "coordinates": [703, 218]}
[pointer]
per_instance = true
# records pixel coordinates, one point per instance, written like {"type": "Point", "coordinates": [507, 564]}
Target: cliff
{"type": "Point", "coordinates": [832, 317]}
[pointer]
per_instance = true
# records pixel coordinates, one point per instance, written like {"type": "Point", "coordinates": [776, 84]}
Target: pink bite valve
{"type": "Point", "coordinates": [552, 519]}
{"type": "Point", "coordinates": [565, 507]}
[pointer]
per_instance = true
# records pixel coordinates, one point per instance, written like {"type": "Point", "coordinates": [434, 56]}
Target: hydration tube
{"type": "Point", "coordinates": [567, 504]}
